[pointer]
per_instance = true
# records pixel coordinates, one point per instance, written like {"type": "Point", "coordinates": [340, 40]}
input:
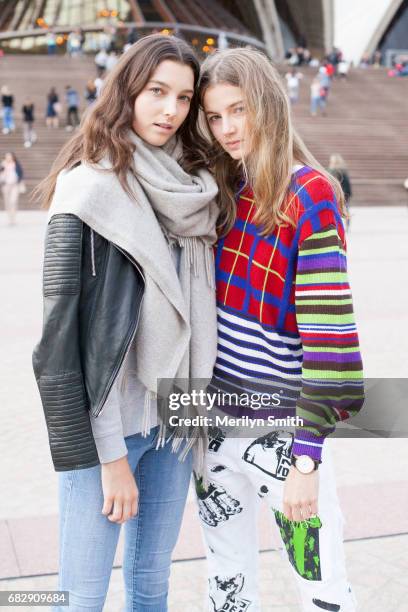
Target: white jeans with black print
{"type": "Point", "coordinates": [240, 472]}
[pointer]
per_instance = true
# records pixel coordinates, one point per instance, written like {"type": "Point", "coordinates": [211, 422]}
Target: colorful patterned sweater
{"type": "Point", "coordinates": [285, 313]}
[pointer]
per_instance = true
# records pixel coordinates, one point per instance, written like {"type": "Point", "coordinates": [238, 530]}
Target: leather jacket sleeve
{"type": "Point", "coordinates": [56, 358]}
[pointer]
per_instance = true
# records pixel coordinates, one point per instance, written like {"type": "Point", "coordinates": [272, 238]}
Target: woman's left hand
{"type": "Point", "coordinates": [300, 495]}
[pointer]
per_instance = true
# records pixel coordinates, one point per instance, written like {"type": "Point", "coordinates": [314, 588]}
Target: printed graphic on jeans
{"type": "Point", "coordinates": [216, 438]}
{"type": "Point", "coordinates": [325, 605]}
{"type": "Point", "coordinates": [218, 468]}
{"type": "Point", "coordinates": [263, 491]}
{"type": "Point", "coordinates": [271, 454]}
{"type": "Point", "coordinates": [301, 540]}
{"type": "Point", "coordinates": [224, 594]}
{"type": "Point", "coordinates": [215, 505]}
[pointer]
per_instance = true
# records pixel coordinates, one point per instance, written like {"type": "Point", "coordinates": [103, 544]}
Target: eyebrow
{"type": "Point", "coordinates": [168, 86]}
{"type": "Point", "coordinates": [229, 106]}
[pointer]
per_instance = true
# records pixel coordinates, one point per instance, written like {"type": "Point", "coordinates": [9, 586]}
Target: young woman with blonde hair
{"type": "Point", "coordinates": [285, 327]}
{"type": "Point", "coordinates": [128, 299]}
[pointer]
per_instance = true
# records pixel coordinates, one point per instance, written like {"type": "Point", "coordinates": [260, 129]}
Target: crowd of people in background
{"type": "Point", "coordinates": [11, 170]}
{"type": "Point", "coordinates": [106, 57]}
{"type": "Point", "coordinates": [108, 47]}
{"type": "Point", "coordinates": [332, 66]}
{"type": "Point", "coordinates": [400, 68]}
{"type": "Point", "coordinates": [368, 60]}
{"type": "Point", "coordinates": [53, 110]}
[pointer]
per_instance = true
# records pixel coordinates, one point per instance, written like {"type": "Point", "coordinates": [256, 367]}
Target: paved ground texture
{"type": "Point", "coordinates": [371, 474]}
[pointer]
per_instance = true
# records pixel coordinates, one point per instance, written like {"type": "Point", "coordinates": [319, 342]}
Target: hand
{"type": "Point", "coordinates": [119, 491]}
{"type": "Point", "coordinates": [300, 495]}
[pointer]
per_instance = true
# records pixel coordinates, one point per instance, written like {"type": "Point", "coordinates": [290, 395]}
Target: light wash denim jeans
{"type": "Point", "coordinates": [317, 103]}
{"type": "Point", "coordinates": [88, 539]}
{"type": "Point", "coordinates": [8, 118]}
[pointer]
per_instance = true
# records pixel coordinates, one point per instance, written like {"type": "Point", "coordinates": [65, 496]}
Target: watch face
{"type": "Point", "coordinates": [305, 464]}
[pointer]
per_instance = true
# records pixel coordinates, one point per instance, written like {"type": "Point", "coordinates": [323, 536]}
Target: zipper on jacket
{"type": "Point", "coordinates": [132, 261]}
{"type": "Point", "coordinates": [93, 253]}
{"type": "Point", "coordinates": [97, 412]}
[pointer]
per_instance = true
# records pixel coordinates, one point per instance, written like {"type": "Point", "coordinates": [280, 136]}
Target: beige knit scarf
{"type": "Point", "coordinates": [177, 334]}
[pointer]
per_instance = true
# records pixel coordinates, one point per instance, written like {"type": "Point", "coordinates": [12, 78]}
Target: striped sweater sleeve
{"type": "Point", "coordinates": [332, 376]}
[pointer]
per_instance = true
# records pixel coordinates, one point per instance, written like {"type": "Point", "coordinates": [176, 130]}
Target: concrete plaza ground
{"type": "Point", "coordinates": [371, 474]}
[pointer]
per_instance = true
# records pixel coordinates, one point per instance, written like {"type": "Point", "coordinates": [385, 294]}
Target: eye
{"type": "Point", "coordinates": [239, 109]}
{"type": "Point", "coordinates": [185, 99]}
{"type": "Point", "coordinates": [213, 118]}
{"type": "Point", "coordinates": [156, 90]}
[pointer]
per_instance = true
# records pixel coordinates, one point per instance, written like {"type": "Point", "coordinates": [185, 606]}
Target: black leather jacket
{"type": "Point", "coordinates": [92, 297]}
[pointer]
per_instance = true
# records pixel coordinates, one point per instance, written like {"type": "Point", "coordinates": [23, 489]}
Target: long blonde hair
{"type": "Point", "coordinates": [273, 142]}
{"type": "Point", "coordinates": [104, 128]}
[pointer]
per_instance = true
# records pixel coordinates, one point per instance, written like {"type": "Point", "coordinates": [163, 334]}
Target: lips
{"type": "Point", "coordinates": [233, 143]}
{"type": "Point", "coordinates": [164, 126]}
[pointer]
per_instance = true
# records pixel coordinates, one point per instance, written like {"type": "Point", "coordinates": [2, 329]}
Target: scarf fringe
{"type": "Point", "coordinates": [191, 256]}
{"type": "Point", "coordinates": [147, 410]}
{"type": "Point", "coordinates": [209, 265]}
{"type": "Point", "coordinates": [161, 437]}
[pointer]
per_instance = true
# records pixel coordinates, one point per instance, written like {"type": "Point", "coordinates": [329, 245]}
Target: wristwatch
{"type": "Point", "coordinates": [305, 464]}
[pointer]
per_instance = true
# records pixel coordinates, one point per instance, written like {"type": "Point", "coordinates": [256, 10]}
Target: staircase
{"type": "Point", "coordinates": [366, 123]}
{"type": "Point", "coordinates": [34, 76]}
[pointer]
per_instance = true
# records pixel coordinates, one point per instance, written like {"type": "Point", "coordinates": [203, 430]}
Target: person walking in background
{"type": "Point", "coordinates": [343, 69]}
{"type": "Point", "coordinates": [7, 102]}
{"type": "Point", "coordinates": [91, 92]}
{"type": "Point", "coordinates": [333, 59]}
{"type": "Point", "coordinates": [53, 109]}
{"type": "Point", "coordinates": [338, 169]}
{"type": "Point", "coordinates": [222, 42]}
{"type": "Point", "coordinates": [28, 123]}
{"type": "Point", "coordinates": [104, 40]}
{"type": "Point", "coordinates": [51, 41]}
{"type": "Point", "coordinates": [99, 83]}
{"type": "Point", "coordinates": [11, 179]}
{"type": "Point", "coordinates": [72, 100]}
{"type": "Point", "coordinates": [114, 38]}
{"type": "Point", "coordinates": [133, 36]}
{"type": "Point", "coordinates": [293, 78]}
{"type": "Point", "coordinates": [325, 79]}
{"type": "Point", "coordinates": [74, 44]}
{"type": "Point", "coordinates": [377, 59]}
{"type": "Point", "coordinates": [101, 59]}
{"type": "Point", "coordinates": [317, 100]}
{"type": "Point", "coordinates": [111, 61]}
{"type": "Point", "coordinates": [365, 61]}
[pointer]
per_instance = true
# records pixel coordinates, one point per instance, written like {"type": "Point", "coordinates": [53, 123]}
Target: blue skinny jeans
{"type": "Point", "coordinates": [8, 118]}
{"type": "Point", "coordinates": [88, 539]}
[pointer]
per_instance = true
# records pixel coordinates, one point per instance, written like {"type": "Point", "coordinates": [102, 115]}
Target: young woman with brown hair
{"type": "Point", "coordinates": [128, 299]}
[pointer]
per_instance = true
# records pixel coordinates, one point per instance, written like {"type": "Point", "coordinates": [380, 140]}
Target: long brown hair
{"type": "Point", "coordinates": [104, 127]}
{"type": "Point", "coordinates": [273, 142]}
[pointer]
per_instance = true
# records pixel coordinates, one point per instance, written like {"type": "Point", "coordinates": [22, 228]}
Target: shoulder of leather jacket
{"type": "Point", "coordinates": [62, 260]}
{"type": "Point", "coordinates": [93, 294]}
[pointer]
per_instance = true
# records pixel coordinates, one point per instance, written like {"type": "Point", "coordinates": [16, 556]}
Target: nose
{"type": "Point", "coordinates": [227, 126]}
{"type": "Point", "coordinates": [170, 107]}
